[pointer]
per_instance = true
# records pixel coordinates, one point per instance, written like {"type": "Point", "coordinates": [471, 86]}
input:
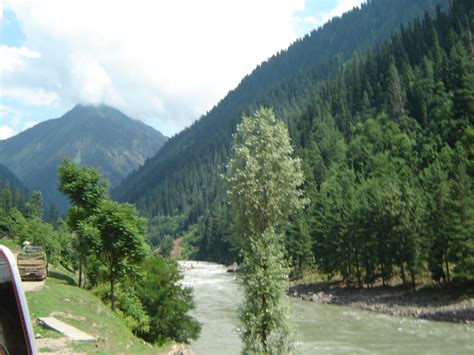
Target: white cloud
{"type": "Point", "coordinates": [90, 80]}
{"type": "Point", "coordinates": [310, 20]}
{"type": "Point", "coordinates": [157, 60]}
{"type": "Point", "coordinates": [10, 115]}
{"type": "Point", "coordinates": [6, 132]}
{"type": "Point", "coordinates": [7, 110]}
{"type": "Point", "coordinates": [29, 124]}
{"type": "Point", "coordinates": [342, 7]}
{"type": "Point", "coordinates": [13, 58]}
{"type": "Point", "coordinates": [30, 96]}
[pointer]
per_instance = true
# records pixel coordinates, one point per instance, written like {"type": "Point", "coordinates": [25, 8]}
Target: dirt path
{"type": "Point", "coordinates": [176, 252]}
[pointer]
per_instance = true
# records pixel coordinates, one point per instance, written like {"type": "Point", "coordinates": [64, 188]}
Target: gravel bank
{"type": "Point", "coordinates": [433, 305]}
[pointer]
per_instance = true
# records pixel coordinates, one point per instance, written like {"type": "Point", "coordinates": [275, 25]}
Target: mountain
{"type": "Point", "coordinates": [12, 194]}
{"type": "Point", "coordinates": [98, 136]}
{"type": "Point", "coordinates": [183, 178]}
{"type": "Point", "coordinates": [8, 177]}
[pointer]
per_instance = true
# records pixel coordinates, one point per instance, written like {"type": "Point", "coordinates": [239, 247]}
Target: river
{"type": "Point", "coordinates": [323, 329]}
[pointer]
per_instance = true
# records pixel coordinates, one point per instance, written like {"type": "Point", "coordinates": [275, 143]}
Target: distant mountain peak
{"type": "Point", "coordinates": [100, 110]}
{"type": "Point", "coordinates": [92, 135]}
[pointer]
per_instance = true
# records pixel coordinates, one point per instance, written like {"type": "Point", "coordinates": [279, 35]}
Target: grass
{"type": "Point", "coordinates": [81, 309]}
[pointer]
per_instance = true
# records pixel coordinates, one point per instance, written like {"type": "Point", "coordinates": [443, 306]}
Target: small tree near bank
{"type": "Point", "coordinates": [109, 231]}
{"type": "Point", "coordinates": [263, 186]}
{"type": "Point", "coordinates": [119, 242]}
{"type": "Point", "coordinates": [85, 188]}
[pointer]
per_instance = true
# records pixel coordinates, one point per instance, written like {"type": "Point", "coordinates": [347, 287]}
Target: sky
{"type": "Point", "coordinates": [164, 62]}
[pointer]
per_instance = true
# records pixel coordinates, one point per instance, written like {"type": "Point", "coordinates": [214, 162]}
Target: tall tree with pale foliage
{"type": "Point", "coordinates": [264, 182]}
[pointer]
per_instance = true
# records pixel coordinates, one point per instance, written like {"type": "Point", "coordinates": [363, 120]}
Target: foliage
{"type": "Point", "coordinates": [143, 289]}
{"type": "Point", "coordinates": [263, 186]}
{"type": "Point", "coordinates": [34, 207]}
{"type": "Point", "coordinates": [166, 302]}
{"type": "Point", "coordinates": [85, 188]}
{"type": "Point", "coordinates": [183, 179]}
{"type": "Point", "coordinates": [20, 221]}
{"type": "Point", "coordinates": [128, 305]}
{"type": "Point", "coordinates": [166, 246]}
{"type": "Point", "coordinates": [161, 226]}
{"type": "Point", "coordinates": [116, 235]}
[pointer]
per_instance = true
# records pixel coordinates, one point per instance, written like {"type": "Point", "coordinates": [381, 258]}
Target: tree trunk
{"type": "Point", "coordinates": [112, 295]}
{"type": "Point", "coordinates": [349, 266]}
{"type": "Point", "coordinates": [447, 266]}
{"type": "Point", "coordinates": [80, 271]}
{"type": "Point", "coordinates": [359, 278]}
{"type": "Point", "coordinates": [412, 275]}
{"type": "Point", "coordinates": [112, 289]}
{"type": "Point", "coordinates": [402, 268]}
{"type": "Point", "coordinates": [264, 328]}
{"type": "Point", "coordinates": [382, 269]}
{"type": "Point", "coordinates": [84, 271]}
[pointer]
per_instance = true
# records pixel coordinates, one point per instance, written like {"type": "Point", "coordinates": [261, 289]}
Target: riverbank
{"type": "Point", "coordinates": [61, 298]}
{"type": "Point", "coordinates": [454, 305]}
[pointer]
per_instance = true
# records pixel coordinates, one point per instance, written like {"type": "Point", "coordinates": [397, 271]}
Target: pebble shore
{"type": "Point", "coordinates": [394, 301]}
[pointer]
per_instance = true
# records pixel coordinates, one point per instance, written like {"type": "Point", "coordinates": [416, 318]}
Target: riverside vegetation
{"type": "Point", "coordinates": [104, 242]}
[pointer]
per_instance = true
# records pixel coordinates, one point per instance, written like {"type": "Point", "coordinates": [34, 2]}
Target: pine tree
{"type": "Point", "coordinates": [298, 243]}
{"type": "Point", "coordinates": [35, 205]}
{"type": "Point", "coordinates": [462, 215]}
{"type": "Point", "coordinates": [397, 96]}
{"type": "Point", "coordinates": [437, 220]}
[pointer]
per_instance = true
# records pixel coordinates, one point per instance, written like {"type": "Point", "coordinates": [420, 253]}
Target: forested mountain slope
{"type": "Point", "coordinates": [388, 148]}
{"type": "Point", "coordinates": [7, 177]}
{"type": "Point", "coordinates": [183, 178]}
{"type": "Point", "coordinates": [387, 143]}
{"type": "Point", "coordinates": [12, 192]}
{"type": "Point", "coordinates": [101, 136]}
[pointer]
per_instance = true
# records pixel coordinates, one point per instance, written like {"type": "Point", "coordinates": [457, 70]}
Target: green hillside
{"type": "Point", "coordinates": [7, 177]}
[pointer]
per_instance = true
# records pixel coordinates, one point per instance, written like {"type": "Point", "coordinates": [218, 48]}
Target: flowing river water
{"type": "Point", "coordinates": [323, 329]}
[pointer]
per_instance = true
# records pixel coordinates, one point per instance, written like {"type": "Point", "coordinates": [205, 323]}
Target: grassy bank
{"type": "Point", "coordinates": [61, 298]}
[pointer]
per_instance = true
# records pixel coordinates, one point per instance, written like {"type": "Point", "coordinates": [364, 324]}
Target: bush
{"type": "Point", "coordinates": [128, 306]}
{"type": "Point", "coordinates": [166, 302]}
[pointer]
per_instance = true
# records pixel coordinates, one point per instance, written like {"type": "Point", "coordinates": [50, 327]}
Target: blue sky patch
{"type": "Point", "coordinates": [11, 33]}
